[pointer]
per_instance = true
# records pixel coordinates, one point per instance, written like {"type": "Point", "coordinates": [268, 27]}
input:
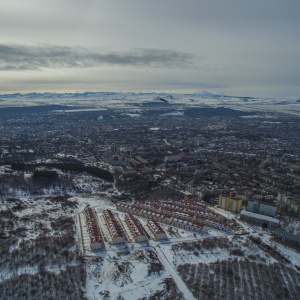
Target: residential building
{"type": "Point", "coordinates": [114, 228]}
{"type": "Point", "coordinates": [263, 208]}
{"type": "Point", "coordinates": [287, 239]}
{"type": "Point", "coordinates": [135, 228]}
{"type": "Point", "coordinates": [230, 204]}
{"type": "Point", "coordinates": [156, 230]}
{"type": "Point", "coordinates": [96, 240]}
{"type": "Point", "coordinates": [259, 219]}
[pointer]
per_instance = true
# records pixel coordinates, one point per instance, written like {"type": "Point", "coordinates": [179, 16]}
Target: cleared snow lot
{"type": "Point", "coordinates": [126, 275]}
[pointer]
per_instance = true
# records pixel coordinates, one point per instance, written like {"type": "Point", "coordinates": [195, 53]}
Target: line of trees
{"type": "Point", "coordinates": [77, 167]}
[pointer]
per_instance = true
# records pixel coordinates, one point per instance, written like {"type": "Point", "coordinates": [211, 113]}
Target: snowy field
{"type": "Point", "coordinates": [136, 275]}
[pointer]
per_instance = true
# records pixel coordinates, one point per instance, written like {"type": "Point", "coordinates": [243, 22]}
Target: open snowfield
{"type": "Point", "coordinates": [127, 275]}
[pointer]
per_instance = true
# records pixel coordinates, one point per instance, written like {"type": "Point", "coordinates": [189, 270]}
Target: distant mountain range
{"type": "Point", "coordinates": [57, 95]}
{"type": "Point", "coordinates": [158, 96]}
{"type": "Point", "coordinates": [155, 100]}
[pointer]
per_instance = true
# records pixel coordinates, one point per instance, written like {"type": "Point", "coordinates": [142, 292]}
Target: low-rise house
{"type": "Point", "coordinates": [156, 230]}
{"type": "Point", "coordinates": [135, 228]}
{"type": "Point", "coordinates": [114, 227]}
{"type": "Point", "coordinates": [96, 240]}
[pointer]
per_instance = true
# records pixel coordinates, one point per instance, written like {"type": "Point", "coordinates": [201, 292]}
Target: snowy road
{"type": "Point", "coordinates": [178, 280]}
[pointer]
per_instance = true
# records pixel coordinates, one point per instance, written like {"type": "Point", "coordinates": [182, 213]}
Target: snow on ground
{"type": "Point", "coordinates": [99, 202]}
{"type": "Point", "coordinates": [293, 227]}
{"type": "Point", "coordinates": [28, 220]}
{"type": "Point", "coordinates": [175, 113]}
{"type": "Point", "coordinates": [133, 101]}
{"type": "Point", "coordinates": [125, 275]}
{"type": "Point", "coordinates": [21, 183]}
{"type": "Point", "coordinates": [123, 269]}
{"type": "Point", "coordinates": [290, 253]}
{"type": "Point", "coordinates": [195, 254]}
{"type": "Point", "coordinates": [133, 282]}
{"type": "Point", "coordinates": [88, 184]}
{"type": "Point", "coordinates": [132, 115]}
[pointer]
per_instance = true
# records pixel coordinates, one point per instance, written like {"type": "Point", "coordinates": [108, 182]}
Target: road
{"type": "Point", "coordinates": [287, 252]}
{"type": "Point", "coordinates": [169, 266]}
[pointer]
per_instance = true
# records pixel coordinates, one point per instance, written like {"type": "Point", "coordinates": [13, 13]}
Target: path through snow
{"type": "Point", "coordinates": [178, 280]}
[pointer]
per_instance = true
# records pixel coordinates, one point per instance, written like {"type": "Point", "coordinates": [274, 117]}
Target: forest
{"type": "Point", "coordinates": [38, 255]}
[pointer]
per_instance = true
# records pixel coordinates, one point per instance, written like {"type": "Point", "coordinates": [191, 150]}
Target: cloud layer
{"type": "Point", "coordinates": [23, 57]}
{"type": "Point", "coordinates": [232, 46]}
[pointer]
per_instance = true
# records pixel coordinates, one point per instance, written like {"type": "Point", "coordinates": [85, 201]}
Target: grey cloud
{"type": "Point", "coordinates": [21, 57]}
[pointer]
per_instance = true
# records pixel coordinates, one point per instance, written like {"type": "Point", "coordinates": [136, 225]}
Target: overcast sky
{"type": "Point", "coordinates": [234, 47]}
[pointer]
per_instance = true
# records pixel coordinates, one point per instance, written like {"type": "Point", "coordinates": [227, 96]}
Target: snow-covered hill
{"type": "Point", "coordinates": [94, 100]}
